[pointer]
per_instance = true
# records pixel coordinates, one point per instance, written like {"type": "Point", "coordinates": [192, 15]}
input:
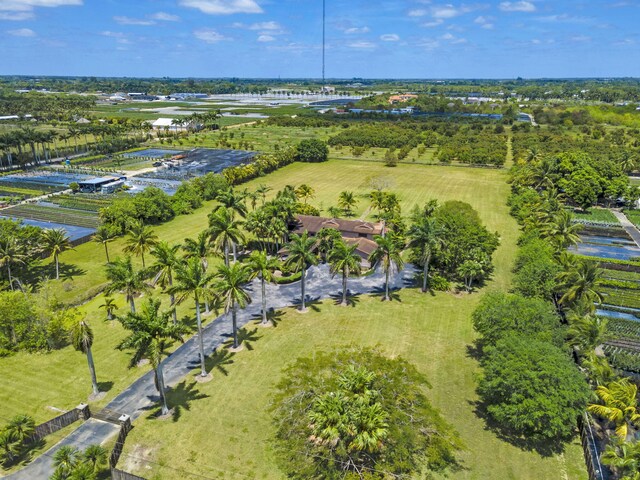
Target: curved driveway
{"type": "Point", "coordinates": [141, 394]}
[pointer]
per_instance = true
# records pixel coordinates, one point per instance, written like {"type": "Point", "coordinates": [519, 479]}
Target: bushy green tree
{"type": "Point", "coordinates": [354, 413]}
{"type": "Point", "coordinates": [532, 389]}
{"type": "Point", "coordinates": [312, 150]}
{"type": "Point", "coordinates": [535, 270]}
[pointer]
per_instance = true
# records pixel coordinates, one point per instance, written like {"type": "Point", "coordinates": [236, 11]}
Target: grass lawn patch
{"type": "Point", "coordinates": [601, 215]}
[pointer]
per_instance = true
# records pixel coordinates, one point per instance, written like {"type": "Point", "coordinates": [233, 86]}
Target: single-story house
{"type": "Point", "coordinates": [356, 232]}
{"type": "Point", "coordinates": [167, 124]}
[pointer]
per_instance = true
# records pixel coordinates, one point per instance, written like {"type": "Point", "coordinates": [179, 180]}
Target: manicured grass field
{"type": "Point", "coordinates": [226, 433]}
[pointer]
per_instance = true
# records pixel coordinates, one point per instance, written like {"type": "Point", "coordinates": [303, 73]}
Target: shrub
{"type": "Point", "coordinates": [312, 150]}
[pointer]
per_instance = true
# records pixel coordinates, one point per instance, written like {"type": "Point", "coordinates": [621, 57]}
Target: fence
{"type": "Point", "coordinates": [590, 447]}
{"type": "Point", "coordinates": [61, 421]}
{"type": "Point", "coordinates": [125, 428]}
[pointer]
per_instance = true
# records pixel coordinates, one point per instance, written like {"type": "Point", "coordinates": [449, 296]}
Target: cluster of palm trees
{"type": "Point", "coordinates": [195, 120]}
{"type": "Point", "coordinates": [13, 252]}
{"type": "Point", "coordinates": [70, 463]}
{"type": "Point", "coordinates": [15, 438]}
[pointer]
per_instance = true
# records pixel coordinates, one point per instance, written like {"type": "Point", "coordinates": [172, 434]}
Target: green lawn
{"type": "Point", "coordinates": [596, 215]}
{"type": "Point", "coordinates": [227, 432]}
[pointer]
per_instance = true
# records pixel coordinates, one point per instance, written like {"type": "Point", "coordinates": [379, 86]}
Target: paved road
{"type": "Point", "coordinates": [141, 395]}
{"type": "Point", "coordinates": [628, 226]}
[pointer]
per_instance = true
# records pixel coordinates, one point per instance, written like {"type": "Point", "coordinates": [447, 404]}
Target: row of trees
{"type": "Point", "coordinates": [545, 272]}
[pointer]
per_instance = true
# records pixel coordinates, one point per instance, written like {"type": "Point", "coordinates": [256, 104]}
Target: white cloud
{"type": "Point", "coordinates": [353, 30]}
{"type": "Point", "coordinates": [223, 7]}
{"type": "Point", "coordinates": [266, 38]}
{"type": "Point", "coordinates": [362, 45]}
{"type": "Point", "coordinates": [521, 6]}
{"type": "Point", "coordinates": [453, 39]}
{"type": "Point", "coordinates": [208, 35]}
{"type": "Point", "coordinates": [29, 5]}
{"type": "Point", "coordinates": [119, 36]}
{"type": "Point", "coordinates": [22, 32]}
{"type": "Point", "coordinates": [165, 17]}
{"type": "Point", "coordinates": [389, 37]}
{"type": "Point", "coordinates": [265, 26]}
{"type": "Point", "coordinates": [484, 22]}
{"type": "Point", "coordinates": [428, 44]}
{"type": "Point", "coordinates": [132, 21]}
{"type": "Point", "coordinates": [16, 16]}
{"type": "Point", "coordinates": [448, 11]}
{"type": "Point", "coordinates": [418, 12]}
{"type": "Point", "coordinates": [433, 24]}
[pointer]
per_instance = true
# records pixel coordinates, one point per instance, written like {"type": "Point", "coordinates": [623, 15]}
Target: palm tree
{"type": "Point", "coordinates": [141, 239]}
{"type": "Point", "coordinates": [586, 332]}
{"type": "Point", "coordinates": [262, 190]}
{"type": "Point", "coordinates": [305, 192]}
{"type": "Point", "coordinates": [425, 236]}
{"type": "Point", "coordinates": [125, 278]}
{"type": "Point", "coordinates": [598, 369]}
{"type": "Point", "coordinates": [225, 231]}
{"type": "Point", "coordinates": [620, 399]}
{"type": "Point", "coordinates": [193, 280]}
{"type": "Point", "coordinates": [561, 231]}
{"type": "Point", "coordinates": [623, 457]}
{"type": "Point", "coordinates": [65, 459]}
{"type": "Point", "coordinates": [24, 427]}
{"type": "Point", "coordinates": [103, 236]}
{"type": "Point", "coordinates": [387, 254]}
{"type": "Point", "coordinates": [233, 200]}
{"type": "Point", "coordinates": [82, 340]}
{"type": "Point", "coordinates": [231, 280]}
{"type": "Point", "coordinates": [10, 254]}
{"type": "Point", "coordinates": [152, 333]}
{"type": "Point", "coordinates": [55, 242]}
{"type": "Point", "coordinates": [301, 256]}
{"type": "Point", "coordinates": [344, 259]}
{"type": "Point", "coordinates": [109, 306]}
{"type": "Point", "coordinates": [199, 248]}
{"type": "Point", "coordinates": [10, 446]}
{"type": "Point", "coordinates": [262, 266]}
{"type": "Point", "coordinates": [166, 260]}
{"type": "Point", "coordinates": [346, 201]}
{"type": "Point", "coordinates": [95, 456]}
{"type": "Point", "coordinates": [579, 284]}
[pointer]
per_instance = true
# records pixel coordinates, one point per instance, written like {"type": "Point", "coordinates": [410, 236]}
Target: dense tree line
{"type": "Point", "coordinates": [482, 149]}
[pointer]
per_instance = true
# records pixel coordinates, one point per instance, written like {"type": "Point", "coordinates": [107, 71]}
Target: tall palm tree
{"type": "Point", "coordinates": [11, 254]}
{"type": "Point", "coordinates": [103, 236]}
{"type": "Point", "coordinates": [262, 266]}
{"type": "Point", "coordinates": [344, 259]}
{"type": "Point", "coordinates": [82, 340]}
{"type": "Point", "coordinates": [230, 287]}
{"type": "Point", "coordinates": [152, 333]}
{"type": "Point", "coordinates": [95, 456]}
{"type": "Point", "coordinates": [305, 192]}
{"type": "Point", "coordinates": [586, 332]}
{"type": "Point", "coordinates": [425, 236]}
{"type": "Point", "coordinates": [233, 200]}
{"type": "Point", "coordinates": [262, 190]}
{"type": "Point", "coordinates": [199, 248]}
{"type": "Point", "coordinates": [225, 231]}
{"type": "Point", "coordinates": [347, 200]}
{"type": "Point", "coordinates": [166, 257]}
{"type": "Point", "coordinates": [141, 239]}
{"type": "Point", "coordinates": [193, 281]}
{"type": "Point", "coordinates": [579, 284]}
{"type": "Point", "coordinates": [300, 255]}
{"type": "Point", "coordinates": [125, 278]}
{"type": "Point", "coordinates": [620, 406]}
{"type": "Point", "coordinates": [109, 306]}
{"type": "Point", "coordinates": [55, 242]}
{"type": "Point", "coordinates": [561, 231]}
{"type": "Point", "coordinates": [387, 254]}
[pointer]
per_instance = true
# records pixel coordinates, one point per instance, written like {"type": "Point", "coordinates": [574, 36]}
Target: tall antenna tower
{"type": "Point", "coordinates": [324, 18]}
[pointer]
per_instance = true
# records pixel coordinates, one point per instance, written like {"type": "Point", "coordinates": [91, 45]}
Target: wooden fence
{"type": "Point", "coordinates": [61, 421]}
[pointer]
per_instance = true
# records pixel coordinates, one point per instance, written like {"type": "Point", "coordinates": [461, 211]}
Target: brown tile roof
{"type": "Point", "coordinates": [313, 225]}
{"type": "Point", "coordinates": [365, 246]}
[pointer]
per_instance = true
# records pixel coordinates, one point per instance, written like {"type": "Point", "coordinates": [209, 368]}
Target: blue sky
{"type": "Point", "coordinates": [365, 38]}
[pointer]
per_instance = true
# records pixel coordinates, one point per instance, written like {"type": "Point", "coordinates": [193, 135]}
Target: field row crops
{"type": "Point", "coordinates": [622, 358]}
{"type": "Point", "coordinates": [88, 203]}
{"type": "Point", "coordinates": [620, 297]}
{"type": "Point", "coordinates": [633, 216]}
{"type": "Point", "coordinates": [619, 328]}
{"type": "Point", "coordinates": [35, 186]}
{"type": "Point", "coordinates": [54, 215]}
{"type": "Point", "coordinates": [621, 275]}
